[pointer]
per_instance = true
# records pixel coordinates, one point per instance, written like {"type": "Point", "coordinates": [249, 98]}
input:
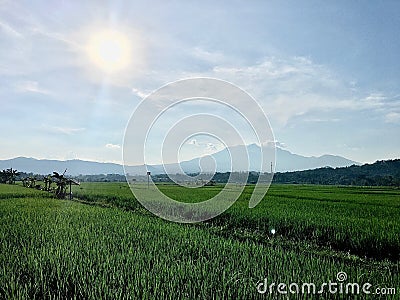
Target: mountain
{"type": "Point", "coordinates": [74, 167]}
{"type": "Point", "coordinates": [286, 161]}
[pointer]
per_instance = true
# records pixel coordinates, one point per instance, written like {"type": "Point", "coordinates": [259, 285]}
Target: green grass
{"type": "Point", "coordinates": [357, 220]}
{"type": "Point", "coordinates": [60, 249]}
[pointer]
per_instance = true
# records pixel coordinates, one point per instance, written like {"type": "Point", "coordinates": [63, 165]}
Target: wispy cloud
{"type": "Point", "coordinates": [274, 143]}
{"type": "Point", "coordinates": [205, 147]}
{"type": "Point", "coordinates": [392, 117]}
{"type": "Point", "coordinates": [39, 30]}
{"type": "Point", "coordinates": [373, 100]}
{"type": "Point", "coordinates": [113, 146]}
{"type": "Point", "coordinates": [295, 86]}
{"type": "Point", "coordinates": [320, 120]}
{"type": "Point", "coordinates": [64, 130]}
{"type": "Point", "coordinates": [139, 93]}
{"type": "Point", "coordinates": [7, 29]}
{"type": "Point", "coordinates": [31, 86]}
{"type": "Point", "coordinates": [208, 56]}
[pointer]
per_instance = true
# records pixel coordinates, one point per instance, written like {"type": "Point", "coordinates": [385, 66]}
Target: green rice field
{"type": "Point", "coordinates": [104, 245]}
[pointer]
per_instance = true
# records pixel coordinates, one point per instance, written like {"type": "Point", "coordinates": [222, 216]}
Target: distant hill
{"type": "Point", "coordinates": [286, 161]}
{"type": "Point", "coordinates": [74, 167]}
{"type": "Point", "coordinates": [381, 173]}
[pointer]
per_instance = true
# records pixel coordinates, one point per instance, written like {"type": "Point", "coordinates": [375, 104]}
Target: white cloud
{"type": "Point", "coordinates": [112, 146]}
{"type": "Point", "coordinates": [373, 100]}
{"type": "Point", "coordinates": [295, 86]}
{"type": "Point", "coordinates": [205, 147]}
{"type": "Point", "coordinates": [10, 30]}
{"type": "Point", "coordinates": [139, 93]}
{"type": "Point", "coordinates": [274, 143]}
{"type": "Point", "coordinates": [210, 148]}
{"type": "Point", "coordinates": [31, 86]}
{"type": "Point", "coordinates": [392, 117]}
{"type": "Point", "coordinates": [56, 36]}
{"type": "Point", "coordinates": [319, 120]}
{"type": "Point", "coordinates": [286, 87]}
{"type": "Point", "coordinates": [211, 57]}
{"type": "Point", "coordinates": [63, 130]}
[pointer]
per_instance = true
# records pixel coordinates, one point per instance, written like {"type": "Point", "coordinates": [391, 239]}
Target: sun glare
{"type": "Point", "coordinates": [109, 50]}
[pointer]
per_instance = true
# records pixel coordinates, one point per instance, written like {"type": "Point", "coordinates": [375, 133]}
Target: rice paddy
{"type": "Point", "coordinates": [114, 248]}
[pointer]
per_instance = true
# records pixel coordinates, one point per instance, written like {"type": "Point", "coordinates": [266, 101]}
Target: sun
{"type": "Point", "coordinates": [109, 50]}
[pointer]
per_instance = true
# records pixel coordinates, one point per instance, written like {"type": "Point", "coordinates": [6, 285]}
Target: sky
{"type": "Point", "coordinates": [326, 74]}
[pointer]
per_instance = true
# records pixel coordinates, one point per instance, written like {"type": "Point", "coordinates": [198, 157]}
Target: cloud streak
{"type": "Point", "coordinates": [32, 87]}
{"type": "Point", "coordinates": [7, 29]}
{"type": "Point", "coordinates": [392, 117]}
{"type": "Point", "coordinates": [139, 93]}
{"type": "Point", "coordinates": [113, 146]}
{"type": "Point", "coordinates": [65, 130]}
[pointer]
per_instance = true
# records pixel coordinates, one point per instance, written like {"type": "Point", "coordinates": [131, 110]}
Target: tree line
{"type": "Point", "coordinates": [380, 173]}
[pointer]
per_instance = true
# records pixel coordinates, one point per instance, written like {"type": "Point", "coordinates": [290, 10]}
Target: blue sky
{"type": "Point", "coordinates": [326, 74]}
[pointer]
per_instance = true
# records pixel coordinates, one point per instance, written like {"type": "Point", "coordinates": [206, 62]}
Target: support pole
{"type": "Point", "coordinates": [148, 179]}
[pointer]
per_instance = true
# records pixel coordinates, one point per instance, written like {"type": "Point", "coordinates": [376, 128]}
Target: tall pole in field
{"type": "Point", "coordinates": [271, 168]}
{"type": "Point", "coordinates": [148, 179]}
{"type": "Point", "coordinates": [70, 190]}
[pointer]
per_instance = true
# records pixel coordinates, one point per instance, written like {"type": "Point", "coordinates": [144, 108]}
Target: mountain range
{"type": "Point", "coordinates": [285, 161]}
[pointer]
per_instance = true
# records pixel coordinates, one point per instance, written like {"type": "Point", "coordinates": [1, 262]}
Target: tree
{"type": "Point", "coordinates": [61, 183]}
{"type": "Point", "coordinates": [47, 182]}
{"type": "Point", "coordinates": [30, 181]}
{"type": "Point", "coordinates": [8, 176]}
{"type": "Point", "coordinates": [13, 175]}
{"type": "Point", "coordinates": [3, 176]}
